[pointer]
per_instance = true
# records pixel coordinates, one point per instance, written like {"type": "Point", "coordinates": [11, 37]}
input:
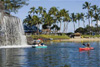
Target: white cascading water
{"type": "Point", "coordinates": [11, 31]}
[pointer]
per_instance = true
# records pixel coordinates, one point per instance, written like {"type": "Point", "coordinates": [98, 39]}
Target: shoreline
{"type": "Point", "coordinates": [78, 39]}
{"type": "Point", "coordinates": [30, 40]}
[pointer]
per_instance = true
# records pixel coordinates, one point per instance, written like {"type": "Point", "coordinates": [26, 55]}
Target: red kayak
{"type": "Point", "coordinates": [86, 49]}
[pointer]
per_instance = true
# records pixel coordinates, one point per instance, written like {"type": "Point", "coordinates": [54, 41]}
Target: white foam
{"type": "Point", "coordinates": [17, 46]}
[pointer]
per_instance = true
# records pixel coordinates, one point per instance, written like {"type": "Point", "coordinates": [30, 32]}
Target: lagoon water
{"type": "Point", "coordinates": [62, 54]}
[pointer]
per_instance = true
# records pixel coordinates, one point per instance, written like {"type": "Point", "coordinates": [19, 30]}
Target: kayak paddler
{"type": "Point", "coordinates": [88, 45]}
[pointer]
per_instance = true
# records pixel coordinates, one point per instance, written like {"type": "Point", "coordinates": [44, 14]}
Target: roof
{"type": "Point", "coordinates": [31, 29]}
{"type": "Point", "coordinates": [77, 34]}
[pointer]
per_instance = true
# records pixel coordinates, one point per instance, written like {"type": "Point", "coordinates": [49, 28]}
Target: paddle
{"type": "Point", "coordinates": [84, 44]}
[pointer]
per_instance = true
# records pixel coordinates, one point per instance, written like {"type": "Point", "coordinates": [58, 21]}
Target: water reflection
{"type": "Point", "coordinates": [12, 57]}
{"type": "Point", "coordinates": [56, 55]}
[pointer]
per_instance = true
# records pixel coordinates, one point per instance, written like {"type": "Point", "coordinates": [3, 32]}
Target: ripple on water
{"type": "Point", "coordinates": [56, 55]}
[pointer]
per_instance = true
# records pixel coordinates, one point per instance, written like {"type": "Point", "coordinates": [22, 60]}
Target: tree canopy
{"type": "Point", "coordinates": [13, 5]}
{"type": "Point", "coordinates": [61, 18]}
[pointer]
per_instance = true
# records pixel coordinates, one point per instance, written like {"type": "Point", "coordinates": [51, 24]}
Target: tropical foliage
{"type": "Point", "coordinates": [86, 30]}
{"type": "Point", "coordinates": [13, 5]}
{"type": "Point", "coordinates": [61, 18]}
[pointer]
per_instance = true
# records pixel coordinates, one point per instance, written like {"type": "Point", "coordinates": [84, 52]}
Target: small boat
{"type": "Point", "coordinates": [36, 46]}
{"type": "Point", "coordinates": [86, 49]}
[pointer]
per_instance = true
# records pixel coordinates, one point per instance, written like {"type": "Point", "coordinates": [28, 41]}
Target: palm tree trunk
{"type": "Point", "coordinates": [91, 22]}
{"type": "Point", "coordinates": [74, 26]}
{"type": "Point", "coordinates": [91, 26]}
{"type": "Point", "coordinates": [60, 26]}
{"type": "Point", "coordinates": [57, 25]}
{"type": "Point", "coordinates": [97, 23]}
{"type": "Point", "coordinates": [84, 24]}
{"type": "Point", "coordinates": [78, 23]}
{"type": "Point", "coordinates": [97, 26]}
{"type": "Point", "coordinates": [88, 18]}
{"type": "Point", "coordinates": [38, 28]}
{"type": "Point", "coordinates": [67, 27]}
{"type": "Point", "coordinates": [64, 27]}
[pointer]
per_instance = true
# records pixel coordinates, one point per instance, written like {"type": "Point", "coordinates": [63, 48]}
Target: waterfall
{"type": "Point", "coordinates": [11, 31]}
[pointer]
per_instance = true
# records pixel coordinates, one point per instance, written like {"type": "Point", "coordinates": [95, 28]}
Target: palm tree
{"type": "Point", "coordinates": [44, 13]}
{"type": "Point", "coordinates": [48, 20]}
{"type": "Point", "coordinates": [62, 14]}
{"type": "Point", "coordinates": [36, 21]}
{"type": "Point", "coordinates": [88, 17]}
{"type": "Point", "coordinates": [40, 10]}
{"type": "Point", "coordinates": [59, 19]}
{"type": "Point", "coordinates": [32, 20]}
{"type": "Point", "coordinates": [32, 10]}
{"type": "Point", "coordinates": [95, 8]}
{"type": "Point", "coordinates": [78, 17]}
{"type": "Point", "coordinates": [38, 14]}
{"type": "Point", "coordinates": [28, 20]}
{"type": "Point", "coordinates": [98, 10]}
{"type": "Point", "coordinates": [53, 13]}
{"type": "Point", "coordinates": [73, 17]}
{"type": "Point", "coordinates": [13, 5]}
{"type": "Point", "coordinates": [82, 18]}
{"type": "Point", "coordinates": [97, 18]}
{"type": "Point", "coordinates": [86, 5]}
{"type": "Point", "coordinates": [67, 19]}
{"type": "Point", "coordinates": [91, 16]}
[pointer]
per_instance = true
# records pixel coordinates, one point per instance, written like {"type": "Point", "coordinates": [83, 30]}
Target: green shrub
{"type": "Point", "coordinates": [89, 36]}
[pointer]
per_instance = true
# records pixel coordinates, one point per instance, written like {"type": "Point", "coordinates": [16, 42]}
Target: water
{"type": "Point", "coordinates": [56, 55]}
{"type": "Point", "coordinates": [11, 31]}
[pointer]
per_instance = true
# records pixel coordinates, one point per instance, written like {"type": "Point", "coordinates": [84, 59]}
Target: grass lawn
{"type": "Point", "coordinates": [51, 36]}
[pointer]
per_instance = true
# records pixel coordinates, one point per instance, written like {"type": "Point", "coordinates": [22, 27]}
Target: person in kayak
{"type": "Point", "coordinates": [39, 44]}
{"type": "Point", "coordinates": [42, 43]}
{"type": "Point", "coordinates": [88, 45]}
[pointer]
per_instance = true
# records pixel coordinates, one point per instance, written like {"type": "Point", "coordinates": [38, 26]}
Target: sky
{"type": "Point", "coordinates": [71, 5]}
